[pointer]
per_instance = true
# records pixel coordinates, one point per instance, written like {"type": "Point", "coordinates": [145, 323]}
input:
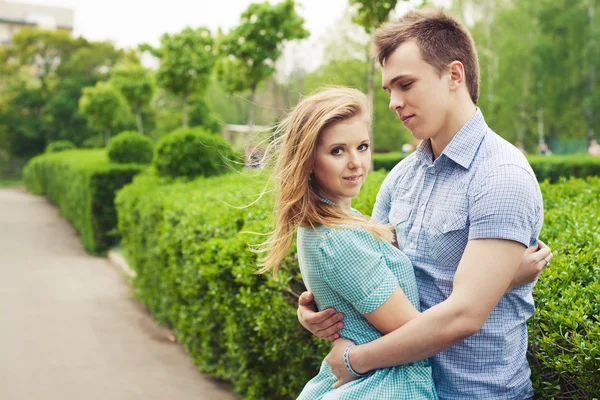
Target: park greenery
{"type": "Point", "coordinates": [134, 156]}
{"type": "Point", "coordinates": [538, 60]}
{"type": "Point", "coordinates": [188, 242]}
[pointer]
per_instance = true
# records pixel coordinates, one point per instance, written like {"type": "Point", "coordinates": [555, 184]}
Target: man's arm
{"type": "Point", "coordinates": [327, 323]}
{"type": "Point", "coordinates": [483, 276]}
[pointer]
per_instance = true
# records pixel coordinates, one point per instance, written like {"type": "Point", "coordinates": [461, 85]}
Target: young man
{"type": "Point", "coordinates": [465, 204]}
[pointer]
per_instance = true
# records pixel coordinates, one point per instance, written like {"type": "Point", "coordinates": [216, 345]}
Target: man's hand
{"type": "Point", "coordinates": [335, 359]}
{"type": "Point", "coordinates": [324, 324]}
{"type": "Point", "coordinates": [532, 265]}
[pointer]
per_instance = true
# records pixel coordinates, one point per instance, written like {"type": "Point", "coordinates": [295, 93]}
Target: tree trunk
{"type": "Point", "coordinates": [490, 12]}
{"type": "Point", "coordinates": [249, 146]}
{"type": "Point", "coordinates": [106, 136]}
{"type": "Point", "coordinates": [523, 106]}
{"type": "Point", "coordinates": [371, 96]}
{"type": "Point", "coordinates": [540, 115]}
{"type": "Point", "coordinates": [591, 78]}
{"type": "Point", "coordinates": [138, 120]}
{"type": "Point", "coordinates": [185, 109]}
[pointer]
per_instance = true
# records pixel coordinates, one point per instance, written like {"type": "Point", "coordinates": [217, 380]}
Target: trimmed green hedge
{"type": "Point", "coordinates": [60, 145]}
{"type": "Point", "coordinates": [545, 167]}
{"type": "Point", "coordinates": [82, 183]}
{"type": "Point", "coordinates": [130, 147]}
{"type": "Point", "coordinates": [386, 161]}
{"type": "Point", "coordinates": [564, 333]}
{"type": "Point", "coordinates": [191, 152]}
{"type": "Point", "coordinates": [188, 245]}
{"type": "Point", "coordinates": [555, 167]}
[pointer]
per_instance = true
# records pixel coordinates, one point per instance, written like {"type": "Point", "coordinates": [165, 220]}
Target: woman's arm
{"type": "Point", "coordinates": [391, 315]}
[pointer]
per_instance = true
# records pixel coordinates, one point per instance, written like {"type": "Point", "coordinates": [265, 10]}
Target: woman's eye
{"type": "Point", "coordinates": [363, 147]}
{"type": "Point", "coordinates": [407, 86]}
{"type": "Point", "coordinates": [337, 151]}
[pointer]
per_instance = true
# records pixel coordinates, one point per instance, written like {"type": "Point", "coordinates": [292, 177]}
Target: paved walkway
{"type": "Point", "coordinates": [69, 329]}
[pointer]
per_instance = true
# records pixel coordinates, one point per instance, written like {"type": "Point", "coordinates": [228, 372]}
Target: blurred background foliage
{"type": "Point", "coordinates": [538, 63]}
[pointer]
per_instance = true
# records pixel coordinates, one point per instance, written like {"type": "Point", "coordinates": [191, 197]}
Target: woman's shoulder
{"type": "Point", "coordinates": [342, 238]}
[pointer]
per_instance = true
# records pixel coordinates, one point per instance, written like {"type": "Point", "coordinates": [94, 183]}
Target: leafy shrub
{"type": "Point", "coordinates": [196, 275]}
{"type": "Point", "coordinates": [82, 184]}
{"type": "Point", "coordinates": [190, 152]}
{"type": "Point", "coordinates": [386, 161]}
{"type": "Point", "coordinates": [555, 167]}
{"type": "Point", "coordinates": [545, 167]}
{"type": "Point", "coordinates": [94, 142]}
{"type": "Point", "coordinates": [130, 147]}
{"type": "Point", "coordinates": [564, 332]}
{"type": "Point", "coordinates": [60, 145]}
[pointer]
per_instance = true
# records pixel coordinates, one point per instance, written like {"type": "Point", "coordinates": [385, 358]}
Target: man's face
{"type": "Point", "coordinates": [418, 93]}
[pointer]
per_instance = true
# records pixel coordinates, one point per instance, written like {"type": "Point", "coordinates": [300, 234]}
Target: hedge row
{"type": "Point", "coordinates": [189, 246]}
{"type": "Point", "coordinates": [545, 167]}
{"type": "Point", "coordinates": [82, 183]}
{"type": "Point", "coordinates": [564, 332]}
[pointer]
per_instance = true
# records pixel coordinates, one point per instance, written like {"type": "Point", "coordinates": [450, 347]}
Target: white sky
{"type": "Point", "coordinates": [128, 23]}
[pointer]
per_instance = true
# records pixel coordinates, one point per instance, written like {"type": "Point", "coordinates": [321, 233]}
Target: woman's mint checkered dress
{"type": "Point", "coordinates": [349, 270]}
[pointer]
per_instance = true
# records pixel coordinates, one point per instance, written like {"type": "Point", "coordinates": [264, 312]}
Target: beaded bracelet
{"type": "Point", "coordinates": [347, 363]}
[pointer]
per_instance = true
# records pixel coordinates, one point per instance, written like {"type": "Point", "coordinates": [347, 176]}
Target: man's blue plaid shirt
{"type": "Point", "coordinates": [480, 187]}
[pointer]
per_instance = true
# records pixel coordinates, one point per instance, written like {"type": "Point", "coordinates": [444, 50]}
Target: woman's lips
{"type": "Point", "coordinates": [353, 178]}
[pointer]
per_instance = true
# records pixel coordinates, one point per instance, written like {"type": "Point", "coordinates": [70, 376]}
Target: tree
{"type": "Point", "coordinates": [62, 119]}
{"type": "Point", "coordinates": [370, 14]}
{"type": "Point", "coordinates": [104, 107]}
{"type": "Point", "coordinates": [186, 62]}
{"type": "Point", "coordinates": [137, 86]}
{"type": "Point", "coordinates": [42, 51]}
{"type": "Point", "coordinates": [249, 51]}
{"type": "Point", "coordinates": [19, 119]}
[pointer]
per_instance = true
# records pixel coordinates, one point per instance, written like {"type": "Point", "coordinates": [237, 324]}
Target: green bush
{"type": "Point", "coordinates": [94, 142]}
{"type": "Point", "coordinates": [195, 272]}
{"type": "Point", "coordinates": [386, 161]}
{"type": "Point", "coordinates": [60, 145]}
{"type": "Point", "coordinates": [564, 333]}
{"type": "Point", "coordinates": [130, 147]}
{"type": "Point", "coordinates": [545, 167]}
{"type": "Point", "coordinates": [82, 184]}
{"type": "Point", "coordinates": [190, 152]}
{"type": "Point", "coordinates": [555, 167]}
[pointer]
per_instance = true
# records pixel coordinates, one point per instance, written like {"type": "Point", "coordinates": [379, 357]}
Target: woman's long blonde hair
{"type": "Point", "coordinates": [298, 201]}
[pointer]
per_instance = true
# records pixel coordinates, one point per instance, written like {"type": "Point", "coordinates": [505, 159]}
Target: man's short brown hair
{"type": "Point", "coordinates": [441, 39]}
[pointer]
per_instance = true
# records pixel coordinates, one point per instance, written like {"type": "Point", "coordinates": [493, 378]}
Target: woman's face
{"type": "Point", "coordinates": [342, 160]}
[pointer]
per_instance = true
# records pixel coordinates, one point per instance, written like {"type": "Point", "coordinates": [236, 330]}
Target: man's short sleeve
{"type": "Point", "coordinates": [506, 205]}
{"type": "Point", "coordinates": [355, 268]}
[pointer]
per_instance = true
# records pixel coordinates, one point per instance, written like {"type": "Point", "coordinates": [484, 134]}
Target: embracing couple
{"type": "Point", "coordinates": [429, 298]}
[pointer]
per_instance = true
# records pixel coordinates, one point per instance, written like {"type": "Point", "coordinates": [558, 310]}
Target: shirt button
{"type": "Point", "coordinates": [445, 226]}
{"type": "Point", "coordinates": [412, 245]}
{"type": "Point", "coordinates": [422, 207]}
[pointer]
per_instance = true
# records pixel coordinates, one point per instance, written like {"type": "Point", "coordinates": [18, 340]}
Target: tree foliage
{"type": "Point", "coordinates": [137, 86]}
{"type": "Point", "coordinates": [186, 62]}
{"type": "Point", "coordinates": [104, 107]}
{"type": "Point", "coordinates": [248, 53]}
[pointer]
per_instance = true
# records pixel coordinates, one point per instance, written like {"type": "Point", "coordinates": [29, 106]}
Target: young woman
{"type": "Point", "coordinates": [346, 259]}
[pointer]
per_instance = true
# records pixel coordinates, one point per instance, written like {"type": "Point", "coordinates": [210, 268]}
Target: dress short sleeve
{"type": "Point", "coordinates": [354, 266]}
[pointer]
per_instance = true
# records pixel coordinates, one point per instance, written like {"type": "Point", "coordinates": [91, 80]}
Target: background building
{"type": "Point", "coordinates": [13, 16]}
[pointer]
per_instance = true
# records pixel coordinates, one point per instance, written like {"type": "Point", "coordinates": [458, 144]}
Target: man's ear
{"type": "Point", "coordinates": [456, 76]}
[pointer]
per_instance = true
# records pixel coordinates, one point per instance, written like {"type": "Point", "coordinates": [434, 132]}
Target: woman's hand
{"type": "Point", "coordinates": [535, 260]}
{"type": "Point", "coordinates": [335, 359]}
{"type": "Point", "coordinates": [324, 324]}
